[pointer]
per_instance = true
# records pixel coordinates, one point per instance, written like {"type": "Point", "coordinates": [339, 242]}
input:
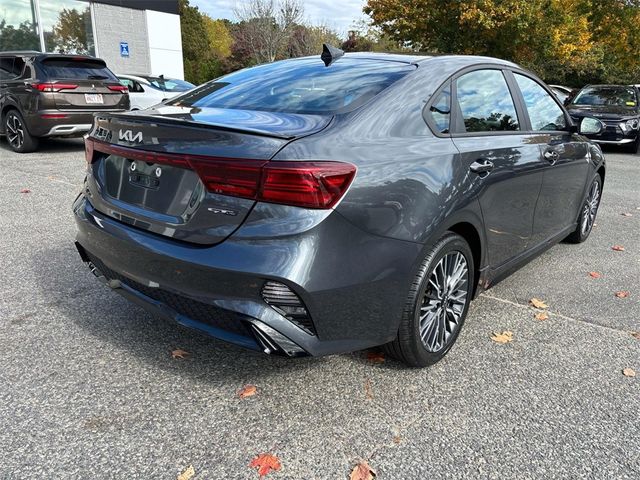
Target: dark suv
{"type": "Point", "coordinates": [51, 95]}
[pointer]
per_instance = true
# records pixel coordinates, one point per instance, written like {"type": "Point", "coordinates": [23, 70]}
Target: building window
{"type": "Point", "coordinates": [67, 26]}
{"type": "Point", "coordinates": [18, 25]}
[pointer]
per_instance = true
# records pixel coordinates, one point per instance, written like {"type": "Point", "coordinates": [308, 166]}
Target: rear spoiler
{"type": "Point", "coordinates": [142, 118]}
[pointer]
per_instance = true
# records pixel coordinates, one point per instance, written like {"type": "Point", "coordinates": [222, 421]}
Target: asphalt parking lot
{"type": "Point", "coordinates": [89, 388]}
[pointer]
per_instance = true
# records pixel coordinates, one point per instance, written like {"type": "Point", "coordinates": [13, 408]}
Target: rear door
{"type": "Point", "coordinates": [564, 157]}
{"type": "Point", "coordinates": [502, 158]}
{"type": "Point", "coordinates": [91, 85]}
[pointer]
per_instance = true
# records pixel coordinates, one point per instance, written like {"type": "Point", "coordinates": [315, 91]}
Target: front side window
{"type": "Point", "coordinates": [486, 103]}
{"type": "Point", "coordinates": [441, 110]}
{"type": "Point", "coordinates": [544, 112]}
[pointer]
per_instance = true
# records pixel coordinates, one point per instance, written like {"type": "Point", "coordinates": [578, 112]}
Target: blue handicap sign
{"type": "Point", "coordinates": [124, 49]}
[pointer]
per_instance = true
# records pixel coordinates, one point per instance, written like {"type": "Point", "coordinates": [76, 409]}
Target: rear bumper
{"type": "Point", "coordinates": [353, 284]}
{"type": "Point", "coordinates": [63, 123]}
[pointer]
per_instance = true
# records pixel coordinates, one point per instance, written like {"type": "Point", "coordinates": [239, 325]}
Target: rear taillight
{"type": "Point", "coordinates": [53, 87]}
{"type": "Point", "coordinates": [118, 88]}
{"type": "Point", "coordinates": [318, 184]}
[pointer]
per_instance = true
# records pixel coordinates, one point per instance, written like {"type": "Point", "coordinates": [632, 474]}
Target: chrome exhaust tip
{"type": "Point", "coordinates": [273, 342]}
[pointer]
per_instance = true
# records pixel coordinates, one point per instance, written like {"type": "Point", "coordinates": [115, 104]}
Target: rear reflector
{"type": "Point", "coordinates": [53, 87]}
{"type": "Point", "coordinates": [118, 88]}
{"type": "Point", "coordinates": [317, 184]}
{"type": "Point", "coordinates": [53, 115]}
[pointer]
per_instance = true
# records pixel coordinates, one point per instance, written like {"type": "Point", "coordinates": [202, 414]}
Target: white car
{"type": "Point", "coordinates": [146, 90]}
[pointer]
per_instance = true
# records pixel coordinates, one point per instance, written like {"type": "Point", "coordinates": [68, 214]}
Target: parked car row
{"type": "Point", "coordinates": [616, 106]}
{"type": "Point", "coordinates": [53, 95]}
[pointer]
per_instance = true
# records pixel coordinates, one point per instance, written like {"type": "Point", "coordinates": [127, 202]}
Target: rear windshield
{"type": "Point", "coordinates": [169, 84]}
{"type": "Point", "coordinates": [618, 96]}
{"type": "Point", "coordinates": [69, 68]}
{"type": "Point", "coordinates": [299, 86]}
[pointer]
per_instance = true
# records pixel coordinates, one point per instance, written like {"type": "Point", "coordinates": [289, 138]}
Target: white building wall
{"type": "Point", "coordinates": [165, 44]}
{"type": "Point", "coordinates": [113, 25]}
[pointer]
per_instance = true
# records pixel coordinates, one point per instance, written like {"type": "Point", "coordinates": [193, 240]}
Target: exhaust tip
{"type": "Point", "coordinates": [273, 342]}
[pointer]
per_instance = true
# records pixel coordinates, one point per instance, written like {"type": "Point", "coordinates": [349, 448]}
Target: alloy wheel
{"type": "Point", "coordinates": [444, 301]}
{"type": "Point", "coordinates": [590, 208]}
{"type": "Point", "coordinates": [15, 131]}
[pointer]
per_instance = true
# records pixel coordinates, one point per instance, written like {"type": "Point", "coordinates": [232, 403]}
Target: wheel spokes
{"type": "Point", "coordinates": [444, 301]}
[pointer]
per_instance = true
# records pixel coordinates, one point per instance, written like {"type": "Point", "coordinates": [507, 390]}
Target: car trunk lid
{"type": "Point", "coordinates": [147, 168]}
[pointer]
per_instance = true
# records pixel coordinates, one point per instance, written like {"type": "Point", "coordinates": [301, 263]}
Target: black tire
{"type": "Point", "coordinates": [588, 207]}
{"type": "Point", "coordinates": [409, 347]}
{"type": "Point", "coordinates": [633, 147]}
{"type": "Point", "coordinates": [17, 134]}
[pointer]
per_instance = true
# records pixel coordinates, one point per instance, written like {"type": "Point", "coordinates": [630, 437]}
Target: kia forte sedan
{"type": "Point", "coordinates": [329, 204]}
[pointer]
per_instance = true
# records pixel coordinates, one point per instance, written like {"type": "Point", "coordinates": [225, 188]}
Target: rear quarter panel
{"type": "Point", "coordinates": [409, 185]}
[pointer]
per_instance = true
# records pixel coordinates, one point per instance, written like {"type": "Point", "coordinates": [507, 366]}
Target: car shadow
{"type": "Point", "coordinates": [51, 145]}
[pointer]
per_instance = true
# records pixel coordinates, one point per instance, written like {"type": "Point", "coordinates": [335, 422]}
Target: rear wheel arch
{"type": "Point", "coordinates": [472, 236]}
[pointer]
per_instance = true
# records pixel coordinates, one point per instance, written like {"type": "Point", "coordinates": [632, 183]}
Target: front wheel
{"type": "Point", "coordinates": [437, 304]}
{"type": "Point", "coordinates": [634, 147]}
{"type": "Point", "coordinates": [588, 212]}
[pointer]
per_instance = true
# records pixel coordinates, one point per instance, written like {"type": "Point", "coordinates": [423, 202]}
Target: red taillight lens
{"type": "Point", "coordinates": [306, 184]}
{"type": "Point", "coordinates": [53, 87]}
{"type": "Point", "coordinates": [317, 184]}
{"type": "Point", "coordinates": [118, 88]}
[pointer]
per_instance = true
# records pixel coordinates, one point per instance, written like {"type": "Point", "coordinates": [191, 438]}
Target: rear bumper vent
{"type": "Point", "coordinates": [284, 300]}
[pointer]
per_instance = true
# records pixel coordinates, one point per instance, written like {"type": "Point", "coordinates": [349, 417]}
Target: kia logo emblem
{"type": "Point", "coordinates": [129, 136]}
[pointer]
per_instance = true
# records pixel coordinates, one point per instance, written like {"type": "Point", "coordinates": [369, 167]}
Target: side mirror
{"type": "Point", "coordinates": [591, 126]}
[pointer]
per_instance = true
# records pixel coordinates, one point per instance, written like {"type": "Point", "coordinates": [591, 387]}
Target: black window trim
{"type": "Point", "coordinates": [516, 96]}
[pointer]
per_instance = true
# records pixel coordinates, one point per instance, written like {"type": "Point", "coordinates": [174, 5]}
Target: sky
{"type": "Point", "coordinates": [338, 15]}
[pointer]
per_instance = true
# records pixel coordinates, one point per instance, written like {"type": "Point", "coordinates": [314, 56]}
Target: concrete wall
{"type": "Point", "coordinates": [113, 25]}
{"type": "Point", "coordinates": [165, 44]}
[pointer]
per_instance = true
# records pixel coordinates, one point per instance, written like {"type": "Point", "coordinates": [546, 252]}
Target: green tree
{"type": "Point", "coordinates": [195, 44]}
{"type": "Point", "coordinates": [24, 37]}
{"type": "Point", "coordinates": [70, 33]}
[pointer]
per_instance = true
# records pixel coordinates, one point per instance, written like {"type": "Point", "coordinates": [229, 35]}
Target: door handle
{"type": "Point", "coordinates": [482, 167]}
{"type": "Point", "coordinates": [551, 156]}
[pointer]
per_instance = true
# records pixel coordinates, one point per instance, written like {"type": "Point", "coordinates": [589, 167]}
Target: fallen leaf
{"type": "Point", "coordinates": [636, 335]}
{"type": "Point", "coordinates": [537, 303]}
{"type": "Point", "coordinates": [629, 372]}
{"type": "Point", "coordinates": [397, 439]}
{"type": "Point", "coordinates": [178, 353]}
{"type": "Point", "coordinates": [618, 248]}
{"type": "Point", "coordinates": [265, 462]}
{"type": "Point", "coordinates": [25, 190]}
{"type": "Point", "coordinates": [504, 337]}
{"type": "Point", "coordinates": [622, 294]}
{"type": "Point", "coordinates": [362, 471]}
{"type": "Point", "coordinates": [542, 316]}
{"type": "Point", "coordinates": [367, 389]}
{"type": "Point", "coordinates": [375, 357]}
{"type": "Point", "coordinates": [187, 474]}
{"type": "Point", "coordinates": [627, 214]}
{"type": "Point", "coordinates": [247, 391]}
{"type": "Point", "coordinates": [594, 275]}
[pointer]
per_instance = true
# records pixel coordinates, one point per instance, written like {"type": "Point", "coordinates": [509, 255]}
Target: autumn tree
{"type": "Point", "coordinates": [70, 33]}
{"type": "Point", "coordinates": [266, 27]}
{"type": "Point", "coordinates": [572, 41]}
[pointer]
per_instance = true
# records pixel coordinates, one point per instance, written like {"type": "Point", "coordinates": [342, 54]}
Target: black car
{"type": "Point", "coordinates": [617, 107]}
{"type": "Point", "coordinates": [323, 205]}
{"type": "Point", "coordinates": [54, 95]}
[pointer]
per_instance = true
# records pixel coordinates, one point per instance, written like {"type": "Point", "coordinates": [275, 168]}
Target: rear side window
{"type": "Point", "coordinates": [11, 67]}
{"type": "Point", "coordinates": [169, 84]}
{"type": "Point", "coordinates": [485, 102]}
{"type": "Point", "coordinates": [299, 86]}
{"type": "Point", "coordinates": [544, 112]}
{"type": "Point", "coordinates": [77, 69]}
{"type": "Point", "coordinates": [440, 110]}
